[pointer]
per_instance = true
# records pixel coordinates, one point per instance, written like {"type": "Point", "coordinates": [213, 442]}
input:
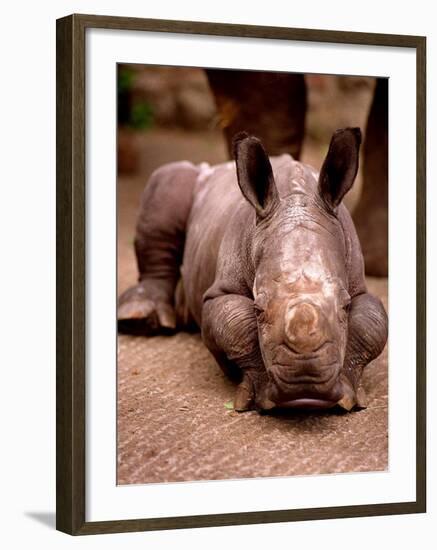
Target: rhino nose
{"type": "Point", "coordinates": [304, 327]}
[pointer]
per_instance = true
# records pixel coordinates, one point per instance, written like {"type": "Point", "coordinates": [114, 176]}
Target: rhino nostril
{"type": "Point", "coordinates": [303, 326]}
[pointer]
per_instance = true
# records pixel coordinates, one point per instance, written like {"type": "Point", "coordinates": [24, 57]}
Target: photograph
{"type": "Point", "coordinates": [252, 274]}
{"type": "Point", "coordinates": [219, 217]}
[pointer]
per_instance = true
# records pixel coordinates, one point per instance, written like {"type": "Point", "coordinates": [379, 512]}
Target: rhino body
{"type": "Point", "coordinates": [263, 257]}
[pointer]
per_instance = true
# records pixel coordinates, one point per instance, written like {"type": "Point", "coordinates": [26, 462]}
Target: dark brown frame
{"type": "Point", "coordinates": [70, 299]}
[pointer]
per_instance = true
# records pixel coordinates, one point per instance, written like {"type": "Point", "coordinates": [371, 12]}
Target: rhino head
{"type": "Point", "coordinates": [300, 263]}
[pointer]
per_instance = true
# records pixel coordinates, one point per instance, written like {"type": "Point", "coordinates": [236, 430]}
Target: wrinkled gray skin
{"type": "Point", "coordinates": [262, 255]}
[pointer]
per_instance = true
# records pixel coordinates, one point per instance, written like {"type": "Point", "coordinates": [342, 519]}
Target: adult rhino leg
{"type": "Point", "coordinates": [367, 336]}
{"type": "Point", "coordinates": [148, 307]}
{"type": "Point", "coordinates": [371, 213]}
{"type": "Point", "coordinates": [271, 106]}
{"type": "Point", "coordinates": [230, 332]}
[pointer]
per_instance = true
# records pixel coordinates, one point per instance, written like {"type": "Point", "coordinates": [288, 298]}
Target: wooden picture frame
{"type": "Point", "coordinates": [71, 275]}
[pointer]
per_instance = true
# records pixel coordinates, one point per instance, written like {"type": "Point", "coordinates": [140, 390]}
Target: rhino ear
{"type": "Point", "coordinates": [340, 166]}
{"type": "Point", "coordinates": [254, 172]}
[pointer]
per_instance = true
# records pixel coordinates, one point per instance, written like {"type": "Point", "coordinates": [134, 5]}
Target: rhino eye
{"type": "Point", "coordinates": [345, 303]}
{"type": "Point", "coordinates": [259, 307]}
{"type": "Point", "coordinates": [260, 302]}
{"type": "Point", "coordinates": [345, 300]}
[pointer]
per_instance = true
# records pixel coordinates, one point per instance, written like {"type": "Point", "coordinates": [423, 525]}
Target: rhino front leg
{"type": "Point", "coordinates": [367, 336]}
{"type": "Point", "coordinates": [230, 332]}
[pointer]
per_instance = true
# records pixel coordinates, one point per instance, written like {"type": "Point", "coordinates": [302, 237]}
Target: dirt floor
{"type": "Point", "coordinates": [175, 416]}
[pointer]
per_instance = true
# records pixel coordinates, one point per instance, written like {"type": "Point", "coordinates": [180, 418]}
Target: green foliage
{"type": "Point", "coordinates": [132, 111]}
{"type": "Point", "coordinates": [141, 115]}
{"type": "Point", "coordinates": [125, 80]}
{"type": "Point", "coordinates": [229, 405]}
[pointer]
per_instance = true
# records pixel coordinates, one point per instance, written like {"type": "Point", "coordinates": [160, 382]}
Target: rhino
{"type": "Point", "coordinates": [261, 255]}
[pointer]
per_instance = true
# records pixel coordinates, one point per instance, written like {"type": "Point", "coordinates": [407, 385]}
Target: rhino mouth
{"type": "Point", "coordinates": [315, 379]}
{"type": "Point", "coordinates": [336, 390]}
{"type": "Point", "coordinates": [308, 403]}
{"type": "Point", "coordinates": [305, 380]}
{"type": "Point", "coordinates": [306, 392]}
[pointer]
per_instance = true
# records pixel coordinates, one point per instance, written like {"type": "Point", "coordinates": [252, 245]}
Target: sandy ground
{"type": "Point", "coordinates": [174, 417]}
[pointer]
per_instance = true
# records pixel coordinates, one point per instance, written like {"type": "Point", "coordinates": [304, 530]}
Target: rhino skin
{"type": "Point", "coordinates": [262, 255]}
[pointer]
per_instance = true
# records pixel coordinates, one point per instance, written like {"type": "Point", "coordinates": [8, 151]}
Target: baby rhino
{"type": "Point", "coordinates": [262, 255]}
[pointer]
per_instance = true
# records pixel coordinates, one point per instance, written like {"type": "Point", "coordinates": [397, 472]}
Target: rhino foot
{"type": "Point", "coordinates": [251, 394]}
{"type": "Point", "coordinates": [140, 313]}
{"type": "Point", "coordinates": [244, 396]}
{"type": "Point", "coordinates": [351, 398]}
